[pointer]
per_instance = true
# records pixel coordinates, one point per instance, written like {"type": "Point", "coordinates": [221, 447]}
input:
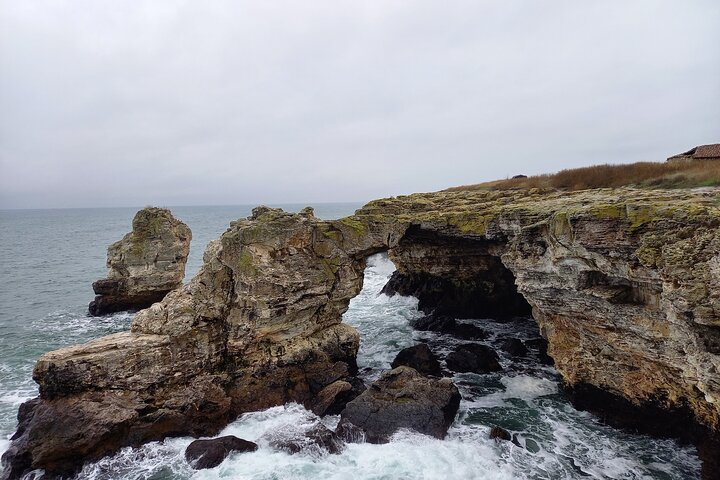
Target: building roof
{"type": "Point", "coordinates": [702, 151]}
{"type": "Point", "coordinates": [707, 151]}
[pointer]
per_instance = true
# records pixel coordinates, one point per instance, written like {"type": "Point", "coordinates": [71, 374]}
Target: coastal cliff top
{"type": "Point", "coordinates": [472, 211]}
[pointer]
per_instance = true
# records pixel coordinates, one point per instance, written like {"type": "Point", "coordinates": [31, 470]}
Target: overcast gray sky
{"type": "Point", "coordinates": [128, 103]}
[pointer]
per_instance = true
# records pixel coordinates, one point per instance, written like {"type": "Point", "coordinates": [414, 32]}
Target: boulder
{"type": "Point", "coordinates": [448, 325]}
{"type": "Point", "coordinates": [210, 453]}
{"type": "Point", "coordinates": [499, 433]}
{"type": "Point", "coordinates": [145, 265]}
{"type": "Point", "coordinates": [318, 440]}
{"type": "Point", "coordinates": [332, 399]}
{"type": "Point", "coordinates": [402, 398]}
{"type": "Point", "coordinates": [419, 357]}
{"type": "Point", "coordinates": [514, 346]}
{"type": "Point", "coordinates": [473, 357]}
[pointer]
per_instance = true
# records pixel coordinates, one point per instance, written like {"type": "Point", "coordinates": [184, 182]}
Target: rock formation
{"type": "Point", "coordinates": [624, 283]}
{"type": "Point", "coordinates": [145, 265]}
{"type": "Point", "coordinates": [258, 326]}
{"type": "Point", "coordinates": [473, 357]}
{"type": "Point", "coordinates": [419, 357]}
{"type": "Point", "coordinates": [403, 398]}
{"type": "Point", "coordinates": [209, 453]}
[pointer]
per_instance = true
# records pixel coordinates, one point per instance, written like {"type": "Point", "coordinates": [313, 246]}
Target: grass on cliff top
{"type": "Point", "coordinates": [688, 174]}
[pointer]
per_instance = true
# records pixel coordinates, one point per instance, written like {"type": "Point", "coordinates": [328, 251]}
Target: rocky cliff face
{"type": "Point", "coordinates": [625, 285]}
{"type": "Point", "coordinates": [145, 264]}
{"type": "Point", "coordinates": [258, 326]}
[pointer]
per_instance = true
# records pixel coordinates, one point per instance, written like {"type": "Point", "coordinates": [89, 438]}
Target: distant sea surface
{"type": "Point", "coordinates": [49, 259]}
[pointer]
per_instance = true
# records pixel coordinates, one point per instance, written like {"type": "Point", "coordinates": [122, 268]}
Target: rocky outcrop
{"type": "Point", "coordinates": [403, 398]}
{"type": "Point", "coordinates": [145, 265]}
{"type": "Point", "coordinates": [625, 285]}
{"type": "Point", "coordinates": [332, 399]}
{"type": "Point", "coordinates": [419, 357]}
{"type": "Point", "coordinates": [258, 326]}
{"type": "Point", "coordinates": [209, 453]}
{"type": "Point", "coordinates": [474, 358]}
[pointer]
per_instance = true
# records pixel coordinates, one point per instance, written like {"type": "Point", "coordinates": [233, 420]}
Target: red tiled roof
{"type": "Point", "coordinates": [702, 151]}
{"type": "Point", "coordinates": [707, 151]}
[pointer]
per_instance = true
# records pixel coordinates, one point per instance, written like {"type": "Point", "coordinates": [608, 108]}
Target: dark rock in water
{"type": "Point", "coordinates": [514, 347]}
{"type": "Point", "coordinates": [475, 358]}
{"type": "Point", "coordinates": [499, 433]}
{"type": "Point", "coordinates": [319, 439]}
{"type": "Point", "coordinates": [211, 452]}
{"type": "Point", "coordinates": [145, 265]}
{"type": "Point", "coordinates": [419, 357]}
{"type": "Point", "coordinates": [402, 398]}
{"type": "Point", "coordinates": [541, 345]}
{"type": "Point", "coordinates": [349, 433]}
{"type": "Point", "coordinates": [332, 399]}
{"type": "Point", "coordinates": [450, 326]}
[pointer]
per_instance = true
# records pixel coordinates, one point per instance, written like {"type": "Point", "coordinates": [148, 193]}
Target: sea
{"type": "Point", "coordinates": [49, 259]}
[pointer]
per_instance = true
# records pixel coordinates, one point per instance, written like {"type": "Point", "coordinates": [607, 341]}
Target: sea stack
{"type": "Point", "coordinates": [145, 264]}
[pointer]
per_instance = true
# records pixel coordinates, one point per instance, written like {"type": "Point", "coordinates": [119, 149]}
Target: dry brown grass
{"type": "Point", "coordinates": [690, 174]}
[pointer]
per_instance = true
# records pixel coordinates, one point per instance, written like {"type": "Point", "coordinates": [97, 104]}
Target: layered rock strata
{"type": "Point", "coordinates": [258, 326]}
{"type": "Point", "coordinates": [625, 285]}
{"type": "Point", "coordinates": [145, 264]}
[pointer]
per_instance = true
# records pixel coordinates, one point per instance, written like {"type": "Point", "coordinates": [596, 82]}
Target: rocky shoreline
{"type": "Point", "coordinates": [624, 284]}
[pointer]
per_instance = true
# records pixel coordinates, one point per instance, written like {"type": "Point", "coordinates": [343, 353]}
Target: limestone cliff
{"type": "Point", "coordinates": [258, 326]}
{"type": "Point", "coordinates": [625, 285]}
{"type": "Point", "coordinates": [145, 264]}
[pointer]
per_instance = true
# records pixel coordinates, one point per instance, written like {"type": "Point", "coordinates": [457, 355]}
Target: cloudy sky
{"type": "Point", "coordinates": [110, 103]}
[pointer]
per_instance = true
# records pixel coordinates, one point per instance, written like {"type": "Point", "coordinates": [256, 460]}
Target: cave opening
{"type": "Point", "coordinates": [454, 276]}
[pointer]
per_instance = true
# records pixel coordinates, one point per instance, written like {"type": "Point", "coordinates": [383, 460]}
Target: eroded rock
{"type": "Point", "coordinates": [419, 357]}
{"type": "Point", "coordinates": [402, 398]}
{"type": "Point", "coordinates": [145, 265]}
{"type": "Point", "coordinates": [317, 440]}
{"type": "Point", "coordinates": [258, 326]}
{"type": "Point", "coordinates": [209, 453]}
{"type": "Point", "coordinates": [474, 358]}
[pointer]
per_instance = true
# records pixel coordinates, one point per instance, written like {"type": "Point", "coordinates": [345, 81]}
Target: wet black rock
{"type": "Point", "coordinates": [475, 358]}
{"type": "Point", "coordinates": [318, 439]}
{"type": "Point", "coordinates": [514, 347]}
{"type": "Point", "coordinates": [499, 433]}
{"type": "Point", "coordinates": [402, 398]}
{"type": "Point", "coordinates": [211, 452]}
{"type": "Point", "coordinates": [540, 345]}
{"type": "Point", "coordinates": [419, 357]}
{"type": "Point", "coordinates": [450, 326]}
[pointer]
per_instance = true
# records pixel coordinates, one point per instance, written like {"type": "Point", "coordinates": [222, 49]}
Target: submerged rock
{"type": "Point", "coordinates": [419, 357]}
{"type": "Point", "coordinates": [211, 452]}
{"type": "Point", "coordinates": [402, 398]}
{"type": "Point", "coordinates": [145, 265]}
{"type": "Point", "coordinates": [317, 440]}
{"type": "Point", "coordinates": [514, 346]}
{"type": "Point", "coordinates": [499, 433]}
{"type": "Point", "coordinates": [473, 357]}
{"type": "Point", "coordinates": [448, 325]}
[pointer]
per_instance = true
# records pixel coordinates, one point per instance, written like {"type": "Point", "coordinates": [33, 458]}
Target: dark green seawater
{"type": "Point", "coordinates": [49, 258]}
